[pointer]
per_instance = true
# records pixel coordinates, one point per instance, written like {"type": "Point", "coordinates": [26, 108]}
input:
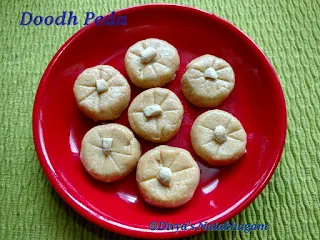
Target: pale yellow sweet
{"type": "Point", "coordinates": [102, 93]}
{"type": "Point", "coordinates": [167, 176]}
{"type": "Point", "coordinates": [218, 137]}
{"type": "Point", "coordinates": [155, 114]}
{"type": "Point", "coordinates": [109, 152]}
{"type": "Point", "coordinates": [208, 81]}
{"type": "Point", "coordinates": [151, 63]}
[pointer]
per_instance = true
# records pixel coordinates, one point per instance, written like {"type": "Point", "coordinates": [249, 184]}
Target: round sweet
{"type": "Point", "coordinates": [151, 63]}
{"type": "Point", "coordinates": [218, 137]}
{"type": "Point", "coordinates": [101, 92]}
{"type": "Point", "coordinates": [155, 114]}
{"type": "Point", "coordinates": [167, 176]}
{"type": "Point", "coordinates": [109, 152]}
{"type": "Point", "coordinates": [208, 81]}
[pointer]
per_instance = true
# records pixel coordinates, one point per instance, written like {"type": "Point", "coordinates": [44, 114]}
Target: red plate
{"type": "Point", "coordinates": [257, 101]}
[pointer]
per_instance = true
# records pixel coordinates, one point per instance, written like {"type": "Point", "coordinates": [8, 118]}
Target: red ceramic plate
{"type": "Point", "coordinates": [257, 101]}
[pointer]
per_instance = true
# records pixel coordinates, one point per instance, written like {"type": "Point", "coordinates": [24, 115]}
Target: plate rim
{"type": "Point", "coordinates": [111, 225]}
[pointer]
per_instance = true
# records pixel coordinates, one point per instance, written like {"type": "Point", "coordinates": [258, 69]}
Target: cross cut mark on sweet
{"type": "Point", "coordinates": [115, 149]}
{"type": "Point", "coordinates": [218, 70]}
{"type": "Point", "coordinates": [151, 63]}
{"type": "Point", "coordinates": [109, 152]}
{"type": "Point", "coordinates": [166, 165]}
{"type": "Point", "coordinates": [102, 92]}
{"type": "Point", "coordinates": [221, 134]}
{"type": "Point", "coordinates": [96, 81]}
{"type": "Point", "coordinates": [167, 176]}
{"type": "Point", "coordinates": [156, 111]}
{"type": "Point", "coordinates": [207, 81]}
{"type": "Point", "coordinates": [217, 135]}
